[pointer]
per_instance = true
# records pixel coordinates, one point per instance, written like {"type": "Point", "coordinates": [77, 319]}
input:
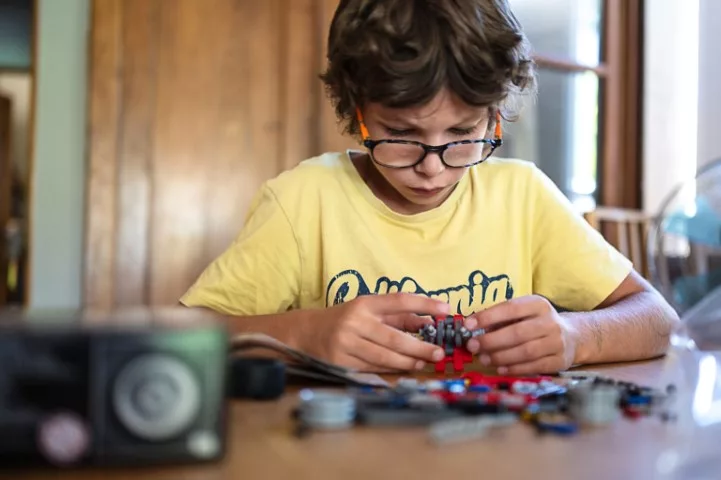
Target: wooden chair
{"type": "Point", "coordinates": [625, 229]}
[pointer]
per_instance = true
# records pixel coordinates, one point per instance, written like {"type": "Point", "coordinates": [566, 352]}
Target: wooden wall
{"type": "Point", "coordinates": [193, 104]}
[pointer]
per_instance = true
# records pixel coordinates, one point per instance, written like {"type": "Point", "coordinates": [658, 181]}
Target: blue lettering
{"type": "Point", "coordinates": [344, 287]}
{"type": "Point", "coordinates": [479, 292]}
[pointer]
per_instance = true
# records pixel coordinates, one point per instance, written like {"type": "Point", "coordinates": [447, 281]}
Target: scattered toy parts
{"type": "Point", "coordinates": [465, 408]}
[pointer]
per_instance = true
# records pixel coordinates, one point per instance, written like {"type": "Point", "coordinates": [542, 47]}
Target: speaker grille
{"type": "Point", "coordinates": [156, 397]}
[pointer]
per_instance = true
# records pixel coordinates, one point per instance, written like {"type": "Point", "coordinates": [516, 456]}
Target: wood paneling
{"type": "Point", "coordinates": [192, 106]}
{"type": "Point", "coordinates": [330, 130]}
{"type": "Point", "coordinates": [5, 190]}
{"type": "Point", "coordinates": [300, 67]}
{"type": "Point", "coordinates": [104, 104]}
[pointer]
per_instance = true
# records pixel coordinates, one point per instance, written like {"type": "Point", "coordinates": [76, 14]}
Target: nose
{"type": "Point", "coordinates": [431, 166]}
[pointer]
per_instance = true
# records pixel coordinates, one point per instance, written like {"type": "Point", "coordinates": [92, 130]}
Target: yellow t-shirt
{"type": "Point", "coordinates": [317, 236]}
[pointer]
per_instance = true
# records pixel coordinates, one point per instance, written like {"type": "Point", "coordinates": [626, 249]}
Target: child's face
{"type": "Point", "coordinates": [445, 119]}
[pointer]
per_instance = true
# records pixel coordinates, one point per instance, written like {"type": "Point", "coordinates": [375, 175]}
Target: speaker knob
{"type": "Point", "coordinates": [156, 397]}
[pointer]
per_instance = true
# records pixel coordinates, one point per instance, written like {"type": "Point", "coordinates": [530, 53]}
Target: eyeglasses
{"type": "Point", "coordinates": [408, 153]}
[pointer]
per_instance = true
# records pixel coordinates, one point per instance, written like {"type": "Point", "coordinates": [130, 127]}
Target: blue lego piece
{"type": "Point", "coordinates": [398, 401]}
{"type": "Point", "coordinates": [548, 390]}
{"type": "Point", "coordinates": [479, 388]}
{"type": "Point", "coordinates": [637, 400]}
{"type": "Point", "coordinates": [560, 428]}
{"type": "Point", "coordinates": [456, 386]}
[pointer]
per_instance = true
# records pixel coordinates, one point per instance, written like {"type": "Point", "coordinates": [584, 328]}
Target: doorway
{"type": "Point", "coordinates": [16, 88]}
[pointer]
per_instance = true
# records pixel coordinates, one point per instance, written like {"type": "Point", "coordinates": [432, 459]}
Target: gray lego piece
{"type": "Point", "coordinates": [405, 417]}
{"type": "Point", "coordinates": [468, 428]}
{"type": "Point", "coordinates": [595, 404]}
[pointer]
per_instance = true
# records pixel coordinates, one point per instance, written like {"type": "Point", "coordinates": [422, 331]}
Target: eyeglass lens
{"type": "Point", "coordinates": [406, 154]}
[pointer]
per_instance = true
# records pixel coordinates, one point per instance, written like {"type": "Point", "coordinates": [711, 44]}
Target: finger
{"type": "Point", "coordinates": [395, 303]}
{"type": "Point", "coordinates": [509, 337]}
{"type": "Point", "coordinates": [409, 322]}
{"type": "Point", "coordinates": [527, 352]}
{"type": "Point", "coordinates": [547, 365]}
{"type": "Point", "coordinates": [508, 311]}
{"type": "Point", "coordinates": [380, 357]}
{"type": "Point", "coordinates": [402, 343]}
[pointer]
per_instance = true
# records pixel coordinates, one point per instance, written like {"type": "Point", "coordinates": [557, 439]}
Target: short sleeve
{"type": "Point", "coordinates": [573, 265]}
{"type": "Point", "coordinates": [261, 270]}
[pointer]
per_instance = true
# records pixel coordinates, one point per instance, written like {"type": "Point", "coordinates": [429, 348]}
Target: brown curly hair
{"type": "Point", "coordinates": [401, 53]}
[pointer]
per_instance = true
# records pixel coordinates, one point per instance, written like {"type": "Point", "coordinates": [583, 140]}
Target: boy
{"type": "Point", "coordinates": [342, 253]}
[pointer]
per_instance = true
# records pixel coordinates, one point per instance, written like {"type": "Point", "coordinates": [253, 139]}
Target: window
{"type": "Point", "coordinates": [582, 129]}
{"type": "Point", "coordinates": [16, 19]}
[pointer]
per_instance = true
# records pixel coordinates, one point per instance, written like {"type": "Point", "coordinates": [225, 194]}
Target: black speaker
{"type": "Point", "coordinates": [120, 388]}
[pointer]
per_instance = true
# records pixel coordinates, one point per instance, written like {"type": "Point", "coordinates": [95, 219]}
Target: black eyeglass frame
{"type": "Point", "coordinates": [439, 149]}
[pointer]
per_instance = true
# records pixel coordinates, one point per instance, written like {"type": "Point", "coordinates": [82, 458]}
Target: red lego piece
{"type": "Point", "coordinates": [460, 355]}
{"type": "Point", "coordinates": [448, 397]}
{"type": "Point", "coordinates": [632, 413]}
{"type": "Point", "coordinates": [512, 401]}
{"type": "Point", "coordinates": [493, 381]}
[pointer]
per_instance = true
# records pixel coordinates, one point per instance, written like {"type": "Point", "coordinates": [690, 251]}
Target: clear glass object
{"type": "Point", "coordinates": [685, 260]}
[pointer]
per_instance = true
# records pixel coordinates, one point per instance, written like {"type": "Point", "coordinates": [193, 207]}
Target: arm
{"type": "Point", "coordinates": [366, 333]}
{"type": "Point", "coordinates": [634, 322]}
{"type": "Point", "coordinates": [610, 312]}
{"type": "Point", "coordinates": [527, 335]}
{"type": "Point", "coordinates": [289, 328]}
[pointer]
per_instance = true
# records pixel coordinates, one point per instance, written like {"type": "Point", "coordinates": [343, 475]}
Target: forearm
{"type": "Point", "coordinates": [634, 328]}
{"type": "Point", "coordinates": [291, 328]}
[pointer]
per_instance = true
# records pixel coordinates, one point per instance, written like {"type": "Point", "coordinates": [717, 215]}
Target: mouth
{"type": "Point", "coordinates": [426, 192]}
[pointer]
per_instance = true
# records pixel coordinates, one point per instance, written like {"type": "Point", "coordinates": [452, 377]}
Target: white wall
{"type": "Point", "coordinates": [670, 97]}
{"type": "Point", "coordinates": [58, 176]}
{"type": "Point", "coordinates": [18, 86]}
{"type": "Point", "coordinates": [682, 112]}
{"type": "Point", "coordinates": [709, 114]}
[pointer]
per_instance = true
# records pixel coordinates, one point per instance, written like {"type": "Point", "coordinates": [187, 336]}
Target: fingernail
{"type": "Point", "coordinates": [438, 355]}
{"type": "Point", "coordinates": [502, 370]}
{"type": "Point", "coordinates": [471, 323]}
{"type": "Point", "coordinates": [444, 308]}
{"type": "Point", "coordinates": [472, 345]}
{"type": "Point", "coordinates": [420, 365]}
{"type": "Point", "coordinates": [485, 360]}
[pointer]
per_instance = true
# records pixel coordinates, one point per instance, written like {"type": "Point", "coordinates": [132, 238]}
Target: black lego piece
{"type": "Point", "coordinates": [379, 416]}
{"type": "Point", "coordinates": [256, 378]}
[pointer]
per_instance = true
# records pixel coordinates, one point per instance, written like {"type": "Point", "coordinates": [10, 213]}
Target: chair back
{"type": "Point", "coordinates": [625, 229]}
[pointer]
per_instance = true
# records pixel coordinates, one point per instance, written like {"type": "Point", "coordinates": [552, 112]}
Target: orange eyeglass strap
{"type": "Point", "coordinates": [363, 129]}
{"type": "Point", "coordinates": [499, 129]}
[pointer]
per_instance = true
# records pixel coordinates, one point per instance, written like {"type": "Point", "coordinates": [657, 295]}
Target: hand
{"type": "Point", "coordinates": [367, 333]}
{"type": "Point", "coordinates": [524, 336]}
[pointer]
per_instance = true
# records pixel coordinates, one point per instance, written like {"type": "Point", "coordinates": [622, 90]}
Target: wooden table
{"type": "Point", "coordinates": [262, 446]}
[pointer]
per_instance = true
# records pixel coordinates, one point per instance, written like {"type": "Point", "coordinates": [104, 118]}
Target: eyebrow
{"type": "Point", "coordinates": [405, 125]}
{"type": "Point", "coordinates": [399, 122]}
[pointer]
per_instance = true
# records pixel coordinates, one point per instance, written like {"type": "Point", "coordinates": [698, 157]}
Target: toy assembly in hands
{"type": "Point", "coordinates": [456, 406]}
